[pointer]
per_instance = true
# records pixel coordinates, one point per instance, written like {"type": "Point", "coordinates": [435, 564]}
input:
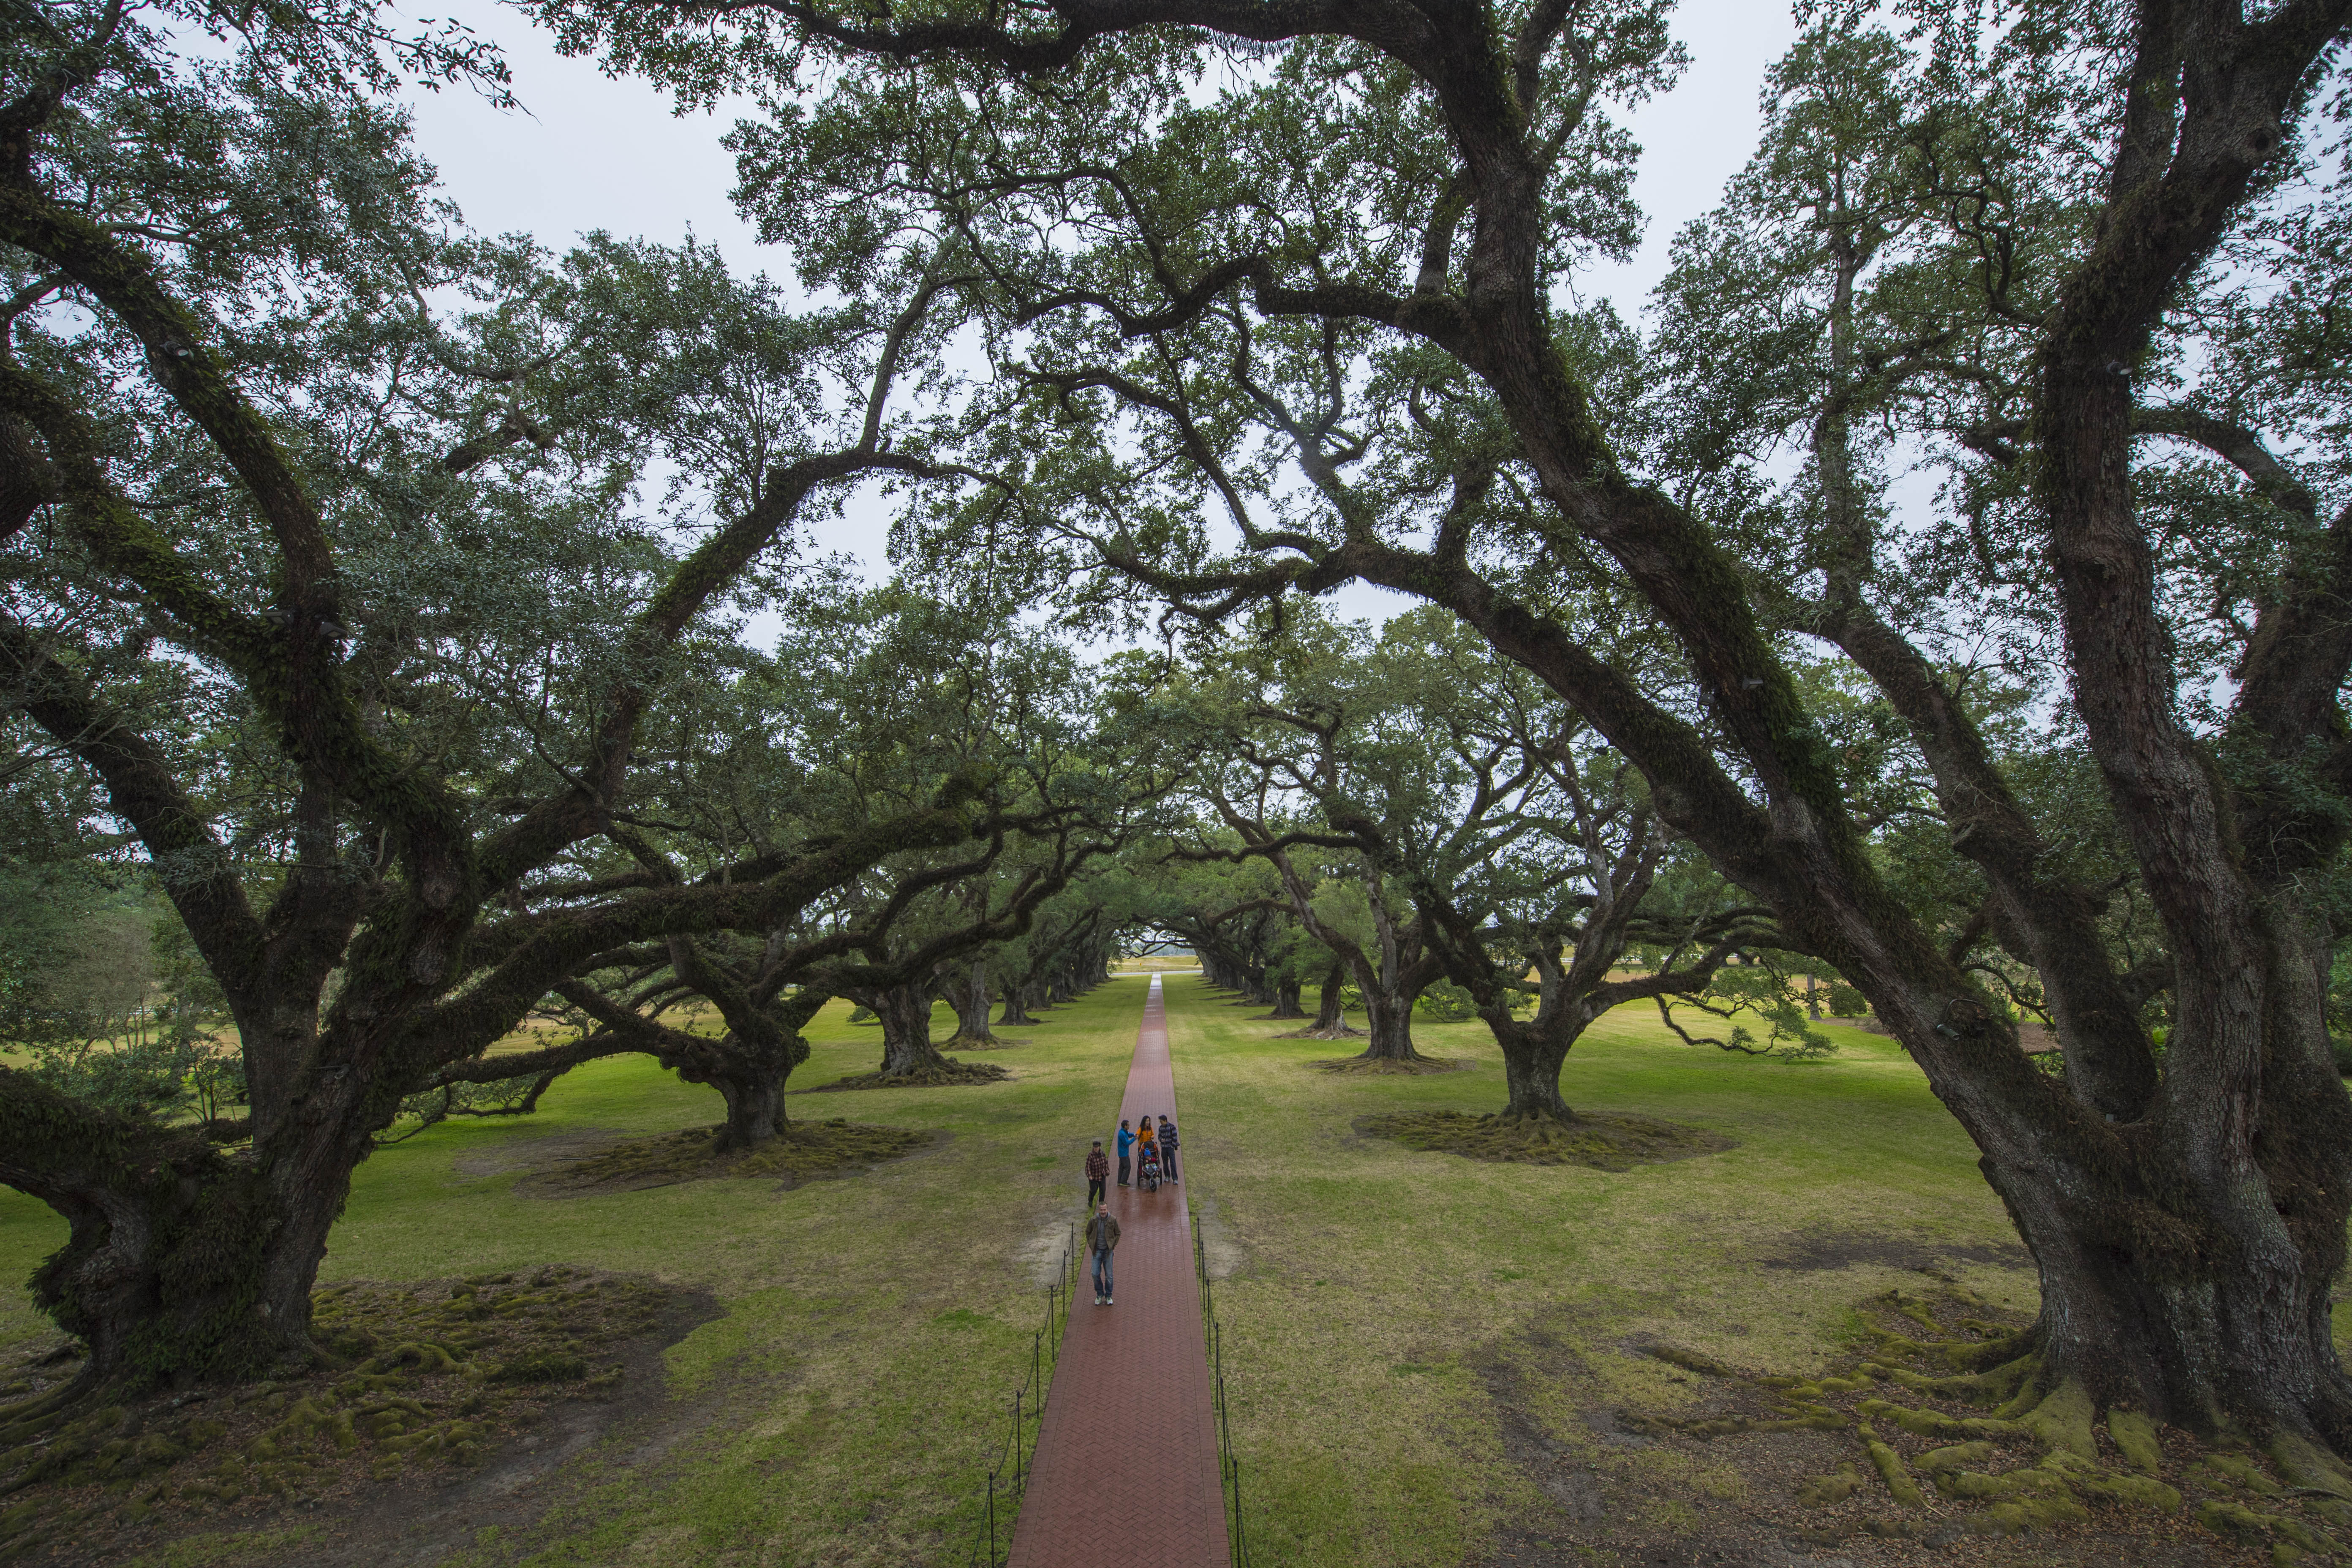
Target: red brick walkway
{"type": "Point", "coordinates": [1126, 1467]}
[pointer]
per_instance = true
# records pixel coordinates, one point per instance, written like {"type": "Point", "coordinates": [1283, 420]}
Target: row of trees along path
{"type": "Point", "coordinates": [1128, 1452]}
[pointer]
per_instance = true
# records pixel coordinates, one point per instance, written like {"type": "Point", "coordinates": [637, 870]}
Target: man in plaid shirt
{"type": "Point", "coordinates": [1168, 1147]}
{"type": "Point", "coordinates": [1097, 1173]}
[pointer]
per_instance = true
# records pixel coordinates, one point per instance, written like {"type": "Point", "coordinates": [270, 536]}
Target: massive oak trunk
{"type": "Point", "coordinates": [1327, 998]}
{"type": "Point", "coordinates": [755, 1110]}
{"type": "Point", "coordinates": [971, 1003]}
{"type": "Point", "coordinates": [1532, 1060]}
{"type": "Point", "coordinates": [180, 1261]}
{"type": "Point", "coordinates": [2188, 1276]}
{"type": "Point", "coordinates": [1288, 997]}
{"type": "Point", "coordinates": [1388, 1012]}
{"type": "Point", "coordinates": [905, 1013]}
{"type": "Point", "coordinates": [1016, 1004]}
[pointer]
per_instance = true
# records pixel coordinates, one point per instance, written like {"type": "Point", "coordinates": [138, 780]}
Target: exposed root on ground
{"type": "Point", "coordinates": [803, 1150]}
{"type": "Point", "coordinates": [429, 1376]}
{"type": "Point", "coordinates": [1604, 1142]}
{"type": "Point", "coordinates": [1410, 1067]}
{"type": "Point", "coordinates": [1337, 1032]}
{"type": "Point", "coordinates": [2020, 1455]}
{"type": "Point", "coordinates": [982, 1042]}
{"type": "Point", "coordinates": [947, 1074]}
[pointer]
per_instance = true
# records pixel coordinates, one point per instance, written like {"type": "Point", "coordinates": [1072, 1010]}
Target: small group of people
{"type": "Point", "coordinates": [1154, 1145]}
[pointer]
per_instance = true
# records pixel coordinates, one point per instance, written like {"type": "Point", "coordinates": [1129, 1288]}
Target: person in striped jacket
{"type": "Point", "coordinates": [1168, 1149]}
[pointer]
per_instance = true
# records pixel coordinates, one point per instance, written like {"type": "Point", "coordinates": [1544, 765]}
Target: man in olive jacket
{"type": "Point", "coordinates": [1102, 1235]}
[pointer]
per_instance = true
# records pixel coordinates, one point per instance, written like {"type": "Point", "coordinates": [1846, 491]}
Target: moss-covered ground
{"type": "Point", "coordinates": [1431, 1359]}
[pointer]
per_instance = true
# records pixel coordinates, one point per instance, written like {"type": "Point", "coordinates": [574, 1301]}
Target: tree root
{"type": "Point", "coordinates": [24, 1420]}
{"type": "Point", "coordinates": [424, 1386]}
{"type": "Point", "coordinates": [1396, 1066]}
{"type": "Point", "coordinates": [1337, 1032]}
{"type": "Point", "coordinates": [2047, 1456]}
{"type": "Point", "coordinates": [2135, 1438]}
{"type": "Point", "coordinates": [1891, 1470]}
{"type": "Point", "coordinates": [2308, 1466]}
{"type": "Point", "coordinates": [1984, 1389]}
{"type": "Point", "coordinates": [982, 1042]}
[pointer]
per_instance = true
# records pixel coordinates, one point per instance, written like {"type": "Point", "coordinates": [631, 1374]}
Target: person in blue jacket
{"type": "Point", "coordinates": [1126, 1148]}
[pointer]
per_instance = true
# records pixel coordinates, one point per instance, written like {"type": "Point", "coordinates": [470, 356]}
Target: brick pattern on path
{"type": "Point", "coordinates": [1126, 1467]}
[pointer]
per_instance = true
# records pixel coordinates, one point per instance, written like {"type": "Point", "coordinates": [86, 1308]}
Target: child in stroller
{"type": "Point", "coordinates": [1147, 1175]}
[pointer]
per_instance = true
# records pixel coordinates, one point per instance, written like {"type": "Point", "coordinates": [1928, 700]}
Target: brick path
{"type": "Point", "coordinates": [1126, 1467]}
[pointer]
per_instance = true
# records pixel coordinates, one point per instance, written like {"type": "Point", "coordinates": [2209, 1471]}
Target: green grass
{"type": "Point", "coordinates": [873, 1327]}
{"type": "Point", "coordinates": [1386, 1306]}
{"type": "Point", "coordinates": [1387, 1315]}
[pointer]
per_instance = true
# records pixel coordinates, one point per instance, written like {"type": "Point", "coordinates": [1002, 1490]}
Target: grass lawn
{"type": "Point", "coordinates": [1393, 1318]}
{"type": "Point", "coordinates": [872, 1327]}
{"type": "Point", "coordinates": [1401, 1329]}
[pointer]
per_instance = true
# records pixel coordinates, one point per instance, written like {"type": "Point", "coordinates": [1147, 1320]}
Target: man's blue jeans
{"type": "Point", "coordinates": [1102, 1271]}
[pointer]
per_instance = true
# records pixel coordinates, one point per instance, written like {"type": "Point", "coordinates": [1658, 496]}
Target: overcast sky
{"type": "Point", "coordinates": [588, 151]}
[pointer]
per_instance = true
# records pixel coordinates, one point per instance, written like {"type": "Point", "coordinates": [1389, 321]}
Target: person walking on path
{"type": "Point", "coordinates": [1126, 1145]}
{"type": "Point", "coordinates": [1147, 1136]}
{"type": "Point", "coordinates": [1097, 1173]}
{"type": "Point", "coordinates": [1102, 1235]}
{"type": "Point", "coordinates": [1168, 1149]}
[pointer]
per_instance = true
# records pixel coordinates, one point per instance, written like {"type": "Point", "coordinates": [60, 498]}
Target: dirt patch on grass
{"type": "Point", "coordinates": [994, 1043]}
{"type": "Point", "coordinates": [1603, 1143]}
{"type": "Point", "coordinates": [804, 1151]}
{"type": "Point", "coordinates": [535, 1153]}
{"type": "Point", "coordinates": [1342, 1033]}
{"type": "Point", "coordinates": [1383, 1066]}
{"type": "Point", "coordinates": [953, 1075]}
{"type": "Point", "coordinates": [1220, 1249]}
{"type": "Point", "coordinates": [454, 1391]}
{"type": "Point", "coordinates": [1849, 1249]}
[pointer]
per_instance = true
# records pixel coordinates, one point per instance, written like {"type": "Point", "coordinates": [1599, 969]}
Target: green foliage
{"type": "Point", "coordinates": [1747, 995]}
{"type": "Point", "coordinates": [1446, 1003]}
{"type": "Point", "coordinates": [218, 1081]}
{"type": "Point", "coordinates": [499, 1097]}
{"type": "Point", "coordinates": [133, 1077]}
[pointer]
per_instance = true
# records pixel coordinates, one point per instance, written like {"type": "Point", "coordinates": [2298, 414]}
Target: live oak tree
{"type": "Point", "coordinates": [1071, 939]}
{"type": "Point", "coordinates": [1236, 918]}
{"type": "Point", "coordinates": [1554, 868]}
{"type": "Point", "coordinates": [914, 691]}
{"type": "Point", "coordinates": [1344, 254]}
{"type": "Point", "coordinates": [364, 487]}
{"type": "Point", "coordinates": [1318, 754]}
{"type": "Point", "coordinates": [740, 762]}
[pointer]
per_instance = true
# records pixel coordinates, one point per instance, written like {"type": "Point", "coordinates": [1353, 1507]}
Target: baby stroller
{"type": "Point", "coordinates": [1147, 1175]}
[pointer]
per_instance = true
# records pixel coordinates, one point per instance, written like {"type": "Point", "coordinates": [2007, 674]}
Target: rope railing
{"type": "Point", "coordinates": [1229, 1464]}
{"type": "Point", "coordinates": [1011, 1457]}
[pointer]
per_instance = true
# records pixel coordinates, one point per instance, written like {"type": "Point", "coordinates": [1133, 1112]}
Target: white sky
{"type": "Point", "coordinates": [593, 153]}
